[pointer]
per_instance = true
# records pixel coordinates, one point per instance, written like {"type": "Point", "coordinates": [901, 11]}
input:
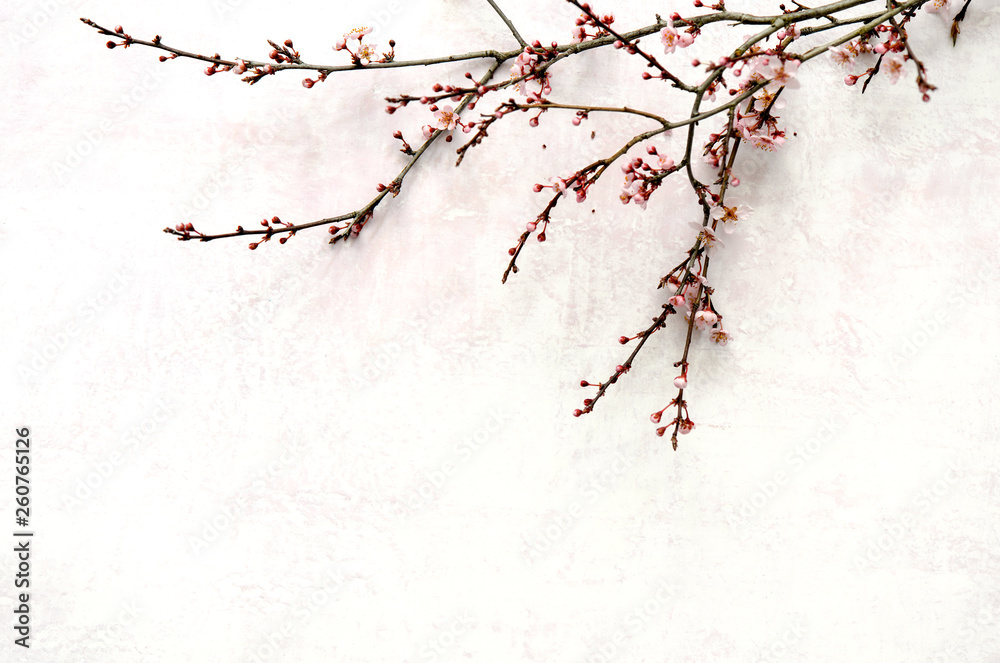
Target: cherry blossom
{"type": "Point", "coordinates": [358, 33]}
{"type": "Point", "coordinates": [728, 216]}
{"type": "Point", "coordinates": [367, 52]}
{"type": "Point", "coordinates": [708, 237]}
{"type": "Point", "coordinates": [893, 66]}
{"type": "Point", "coordinates": [720, 336]}
{"type": "Point", "coordinates": [705, 318]}
{"type": "Point", "coordinates": [782, 74]}
{"type": "Point", "coordinates": [446, 118]}
{"type": "Point", "coordinates": [672, 39]}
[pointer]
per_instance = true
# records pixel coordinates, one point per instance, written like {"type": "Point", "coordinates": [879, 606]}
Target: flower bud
{"type": "Point", "coordinates": [681, 382]}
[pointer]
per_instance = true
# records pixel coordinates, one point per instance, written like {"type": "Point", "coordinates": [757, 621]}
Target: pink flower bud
{"type": "Point", "coordinates": [308, 83]}
{"type": "Point", "coordinates": [577, 413]}
{"type": "Point", "coordinates": [655, 417]}
{"type": "Point", "coordinates": [681, 382]}
{"type": "Point", "coordinates": [584, 383]}
{"type": "Point", "coordinates": [623, 340]}
{"type": "Point", "coordinates": [531, 225]}
{"type": "Point", "coordinates": [850, 80]}
{"type": "Point", "coordinates": [660, 431]}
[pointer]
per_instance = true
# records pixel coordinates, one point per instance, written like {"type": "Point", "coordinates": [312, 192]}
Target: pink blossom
{"type": "Point", "coordinates": [367, 52]}
{"type": "Point", "coordinates": [446, 118]}
{"type": "Point", "coordinates": [579, 34]}
{"type": "Point", "coordinates": [728, 216]}
{"type": "Point", "coordinates": [843, 56]}
{"type": "Point", "coordinates": [705, 318]}
{"type": "Point", "coordinates": [720, 336]}
{"type": "Point", "coordinates": [357, 33]}
{"type": "Point", "coordinates": [681, 382]}
{"type": "Point", "coordinates": [708, 237]}
{"type": "Point", "coordinates": [893, 66]}
{"type": "Point", "coordinates": [792, 31]}
{"type": "Point", "coordinates": [763, 99]}
{"type": "Point", "coordinates": [767, 143]}
{"type": "Point", "coordinates": [672, 39]}
{"type": "Point", "coordinates": [686, 426]}
{"type": "Point", "coordinates": [935, 6]}
{"type": "Point", "coordinates": [782, 74]}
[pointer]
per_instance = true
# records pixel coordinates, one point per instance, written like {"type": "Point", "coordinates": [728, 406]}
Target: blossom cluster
{"type": "Point", "coordinates": [528, 68]}
{"type": "Point", "coordinates": [642, 178]}
{"type": "Point", "coordinates": [587, 21]}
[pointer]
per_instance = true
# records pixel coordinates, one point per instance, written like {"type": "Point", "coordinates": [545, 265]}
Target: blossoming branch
{"type": "Point", "coordinates": [736, 95]}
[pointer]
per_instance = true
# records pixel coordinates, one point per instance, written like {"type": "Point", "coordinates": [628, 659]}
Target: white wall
{"type": "Point", "coordinates": [227, 444]}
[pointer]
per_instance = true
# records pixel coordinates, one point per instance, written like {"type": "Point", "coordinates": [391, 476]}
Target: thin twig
{"type": "Point", "coordinates": [510, 25]}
